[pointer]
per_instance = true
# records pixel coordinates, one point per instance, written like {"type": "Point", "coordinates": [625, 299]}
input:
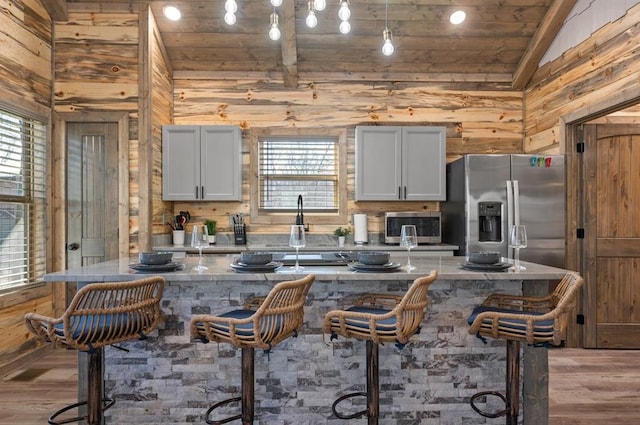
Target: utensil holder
{"type": "Point", "coordinates": [240, 234]}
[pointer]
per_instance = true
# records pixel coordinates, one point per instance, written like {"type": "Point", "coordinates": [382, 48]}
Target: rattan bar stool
{"type": "Point", "coordinates": [100, 314]}
{"type": "Point", "coordinates": [263, 323]}
{"type": "Point", "coordinates": [378, 318]}
{"type": "Point", "coordinates": [539, 321]}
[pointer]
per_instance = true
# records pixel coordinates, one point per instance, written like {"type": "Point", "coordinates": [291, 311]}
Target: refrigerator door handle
{"type": "Point", "coordinates": [509, 215]}
{"type": "Point", "coordinates": [516, 203]}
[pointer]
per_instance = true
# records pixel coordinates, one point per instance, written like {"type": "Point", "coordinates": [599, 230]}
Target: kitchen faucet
{"type": "Point", "coordinates": [300, 215]}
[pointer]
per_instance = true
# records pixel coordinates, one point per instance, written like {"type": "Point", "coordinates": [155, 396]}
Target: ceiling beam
{"type": "Point", "coordinates": [57, 9]}
{"type": "Point", "coordinates": [542, 39]}
{"type": "Point", "coordinates": [288, 44]}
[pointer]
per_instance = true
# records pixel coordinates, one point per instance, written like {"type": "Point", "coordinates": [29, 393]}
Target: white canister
{"type": "Point", "coordinates": [360, 228]}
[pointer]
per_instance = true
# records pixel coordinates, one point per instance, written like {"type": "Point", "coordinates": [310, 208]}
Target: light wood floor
{"type": "Point", "coordinates": [586, 387]}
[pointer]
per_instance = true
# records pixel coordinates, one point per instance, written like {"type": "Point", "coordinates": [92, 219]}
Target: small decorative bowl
{"type": "Point", "coordinates": [488, 257]}
{"type": "Point", "coordinates": [155, 258]}
{"type": "Point", "coordinates": [255, 258]}
{"type": "Point", "coordinates": [373, 258]}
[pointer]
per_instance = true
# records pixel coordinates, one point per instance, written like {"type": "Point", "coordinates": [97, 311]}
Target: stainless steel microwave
{"type": "Point", "coordinates": [428, 226]}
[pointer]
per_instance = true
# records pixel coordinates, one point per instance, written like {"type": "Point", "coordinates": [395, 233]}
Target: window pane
{"type": "Point", "coordinates": [292, 167]}
{"type": "Point", "coordinates": [22, 200]}
{"type": "Point", "coordinates": [12, 150]}
{"type": "Point", "coordinates": [13, 241]}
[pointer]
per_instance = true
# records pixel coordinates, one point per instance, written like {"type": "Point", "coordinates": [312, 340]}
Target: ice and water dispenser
{"type": "Point", "coordinates": [490, 221]}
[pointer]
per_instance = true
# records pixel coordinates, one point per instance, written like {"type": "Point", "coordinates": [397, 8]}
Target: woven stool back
{"type": "Point", "coordinates": [278, 316]}
{"type": "Point", "coordinates": [396, 325]}
{"type": "Point", "coordinates": [531, 319]}
{"type": "Point", "coordinates": [102, 314]}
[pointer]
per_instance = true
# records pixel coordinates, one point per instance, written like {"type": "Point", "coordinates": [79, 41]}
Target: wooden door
{"type": "Point", "coordinates": [612, 236]}
{"type": "Point", "coordinates": [92, 193]}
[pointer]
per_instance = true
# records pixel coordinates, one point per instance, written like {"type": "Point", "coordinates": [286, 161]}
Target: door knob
{"type": "Point", "coordinates": [73, 246]}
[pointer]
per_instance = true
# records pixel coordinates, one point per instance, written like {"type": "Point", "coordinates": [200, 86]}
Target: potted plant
{"type": "Point", "coordinates": [211, 230]}
{"type": "Point", "coordinates": [341, 233]}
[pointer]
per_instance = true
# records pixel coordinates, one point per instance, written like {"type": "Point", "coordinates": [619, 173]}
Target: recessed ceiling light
{"type": "Point", "coordinates": [171, 12]}
{"type": "Point", "coordinates": [457, 17]}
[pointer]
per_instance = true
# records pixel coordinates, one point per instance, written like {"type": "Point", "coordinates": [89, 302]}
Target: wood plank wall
{"type": "Point", "coordinates": [595, 75]}
{"type": "Point", "coordinates": [161, 113]}
{"type": "Point", "coordinates": [479, 119]}
{"type": "Point", "coordinates": [97, 68]}
{"type": "Point", "coordinates": [25, 81]}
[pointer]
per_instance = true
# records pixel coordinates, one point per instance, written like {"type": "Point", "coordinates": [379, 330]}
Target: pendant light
{"type": "Point", "coordinates": [344, 14]}
{"type": "Point", "coordinates": [387, 47]}
{"type": "Point", "coordinates": [319, 5]}
{"type": "Point", "coordinates": [274, 31]}
{"type": "Point", "coordinates": [276, 3]}
{"type": "Point", "coordinates": [311, 20]}
{"type": "Point", "coordinates": [230, 7]}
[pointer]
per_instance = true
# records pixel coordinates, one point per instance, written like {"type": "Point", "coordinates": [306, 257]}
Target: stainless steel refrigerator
{"type": "Point", "coordinates": [486, 194]}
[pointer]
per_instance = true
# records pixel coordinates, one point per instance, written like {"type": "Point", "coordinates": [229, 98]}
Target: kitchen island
{"type": "Point", "coordinates": [170, 378]}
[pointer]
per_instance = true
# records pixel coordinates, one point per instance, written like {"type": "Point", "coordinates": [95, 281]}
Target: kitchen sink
{"type": "Point", "coordinates": [316, 258]}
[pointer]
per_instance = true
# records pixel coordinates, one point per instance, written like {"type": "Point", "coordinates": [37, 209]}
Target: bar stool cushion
{"type": "Point", "coordinates": [94, 327]}
{"type": "Point", "coordinates": [244, 329]}
{"type": "Point", "coordinates": [381, 325]}
{"type": "Point", "coordinates": [544, 326]}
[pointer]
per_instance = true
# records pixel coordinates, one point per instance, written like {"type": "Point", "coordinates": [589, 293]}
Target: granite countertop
{"type": "Point", "coordinates": [448, 268]}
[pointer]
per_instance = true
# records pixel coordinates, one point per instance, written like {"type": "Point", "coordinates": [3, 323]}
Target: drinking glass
{"type": "Point", "coordinates": [297, 241]}
{"type": "Point", "coordinates": [196, 242]}
{"type": "Point", "coordinates": [409, 239]}
{"type": "Point", "coordinates": [518, 239]}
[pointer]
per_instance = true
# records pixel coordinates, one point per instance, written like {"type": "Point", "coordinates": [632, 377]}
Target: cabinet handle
{"type": "Point", "coordinates": [405, 192]}
{"type": "Point", "coordinates": [399, 192]}
{"type": "Point", "coordinates": [196, 192]}
{"type": "Point", "coordinates": [201, 192]}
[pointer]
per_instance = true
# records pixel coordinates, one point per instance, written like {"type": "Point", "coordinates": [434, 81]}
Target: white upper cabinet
{"type": "Point", "coordinates": [201, 163]}
{"type": "Point", "coordinates": [396, 163]}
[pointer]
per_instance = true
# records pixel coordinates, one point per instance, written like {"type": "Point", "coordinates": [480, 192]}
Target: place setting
{"type": "Point", "coordinates": [373, 262]}
{"type": "Point", "coordinates": [255, 262]}
{"type": "Point", "coordinates": [485, 261]}
{"type": "Point", "coordinates": [155, 262]}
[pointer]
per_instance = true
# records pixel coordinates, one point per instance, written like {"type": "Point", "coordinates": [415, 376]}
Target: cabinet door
{"type": "Point", "coordinates": [378, 162]}
{"type": "Point", "coordinates": [424, 151]}
{"type": "Point", "coordinates": [221, 163]}
{"type": "Point", "coordinates": [180, 164]}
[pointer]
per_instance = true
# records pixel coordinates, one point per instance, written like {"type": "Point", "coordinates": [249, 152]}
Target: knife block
{"type": "Point", "coordinates": [240, 234]}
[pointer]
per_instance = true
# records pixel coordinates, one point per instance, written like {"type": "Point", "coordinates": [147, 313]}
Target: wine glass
{"type": "Point", "coordinates": [409, 239]}
{"type": "Point", "coordinates": [518, 239]}
{"type": "Point", "coordinates": [297, 241]}
{"type": "Point", "coordinates": [196, 242]}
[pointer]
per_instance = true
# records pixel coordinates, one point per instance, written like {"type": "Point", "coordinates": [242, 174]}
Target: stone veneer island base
{"type": "Point", "coordinates": [169, 378]}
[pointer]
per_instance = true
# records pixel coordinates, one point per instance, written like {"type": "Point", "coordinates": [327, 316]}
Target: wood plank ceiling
{"type": "Point", "coordinates": [501, 41]}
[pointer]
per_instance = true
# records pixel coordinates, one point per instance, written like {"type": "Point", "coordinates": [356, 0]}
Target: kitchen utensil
{"type": "Point", "coordinates": [409, 239]}
{"type": "Point", "coordinates": [518, 239]}
{"type": "Point", "coordinates": [196, 242]}
{"type": "Point", "coordinates": [297, 241]}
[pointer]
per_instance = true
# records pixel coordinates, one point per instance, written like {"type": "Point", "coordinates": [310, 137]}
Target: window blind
{"type": "Point", "coordinates": [22, 200]}
{"type": "Point", "coordinates": [301, 166]}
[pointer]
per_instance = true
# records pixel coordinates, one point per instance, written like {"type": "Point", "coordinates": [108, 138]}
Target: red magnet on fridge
{"type": "Point", "coordinates": [547, 162]}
